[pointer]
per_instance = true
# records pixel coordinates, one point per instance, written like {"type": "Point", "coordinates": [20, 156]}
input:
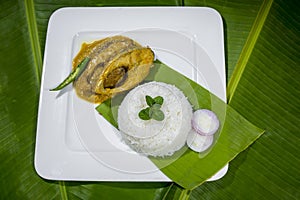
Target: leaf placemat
{"type": "Point", "coordinates": [192, 169]}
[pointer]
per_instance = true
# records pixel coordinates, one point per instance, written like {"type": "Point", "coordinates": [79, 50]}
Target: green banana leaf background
{"type": "Point", "coordinates": [262, 44]}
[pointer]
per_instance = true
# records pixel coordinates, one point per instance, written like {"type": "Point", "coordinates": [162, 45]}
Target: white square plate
{"type": "Point", "coordinates": [188, 39]}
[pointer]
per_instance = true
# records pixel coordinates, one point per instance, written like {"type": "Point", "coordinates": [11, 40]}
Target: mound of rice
{"type": "Point", "coordinates": [151, 137]}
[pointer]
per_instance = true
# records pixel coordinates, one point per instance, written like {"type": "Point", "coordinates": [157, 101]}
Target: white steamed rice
{"type": "Point", "coordinates": [151, 137]}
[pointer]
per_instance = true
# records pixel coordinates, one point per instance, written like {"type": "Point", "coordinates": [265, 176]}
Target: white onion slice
{"type": "Point", "coordinates": [198, 142]}
{"type": "Point", "coordinates": [205, 122]}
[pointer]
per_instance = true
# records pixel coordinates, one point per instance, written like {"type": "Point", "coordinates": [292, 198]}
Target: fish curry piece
{"type": "Point", "coordinates": [116, 64]}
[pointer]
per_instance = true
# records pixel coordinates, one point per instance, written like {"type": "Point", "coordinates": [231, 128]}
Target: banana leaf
{"type": "Point", "coordinates": [21, 57]}
{"type": "Point", "coordinates": [191, 169]}
{"type": "Point", "coordinates": [264, 70]}
{"type": "Point", "coordinates": [267, 95]}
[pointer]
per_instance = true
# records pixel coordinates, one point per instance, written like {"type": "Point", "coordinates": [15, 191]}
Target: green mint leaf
{"type": "Point", "coordinates": [153, 111]}
{"type": "Point", "coordinates": [144, 114]}
{"type": "Point", "coordinates": [150, 101]}
{"type": "Point", "coordinates": [157, 115]}
{"type": "Point", "coordinates": [159, 100]}
{"type": "Point", "coordinates": [156, 106]}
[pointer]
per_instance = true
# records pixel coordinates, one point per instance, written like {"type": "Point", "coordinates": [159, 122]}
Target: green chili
{"type": "Point", "coordinates": [73, 75]}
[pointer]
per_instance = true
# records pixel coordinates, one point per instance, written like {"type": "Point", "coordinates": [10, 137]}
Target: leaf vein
{"type": "Point", "coordinates": [34, 38]}
{"type": "Point", "coordinates": [248, 48]}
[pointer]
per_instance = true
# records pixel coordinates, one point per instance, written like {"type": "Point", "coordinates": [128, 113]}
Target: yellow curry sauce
{"type": "Point", "coordinates": [116, 64]}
